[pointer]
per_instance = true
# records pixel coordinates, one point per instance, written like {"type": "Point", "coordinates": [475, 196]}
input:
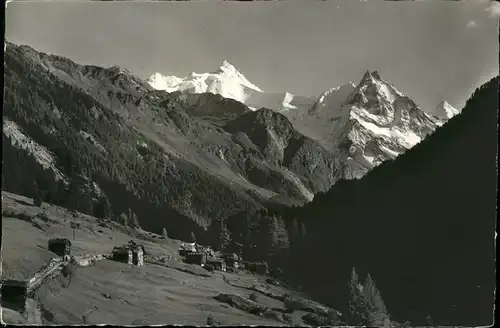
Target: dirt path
{"type": "Point", "coordinates": [255, 288]}
{"type": "Point", "coordinates": [41, 276]}
{"type": "Point", "coordinates": [32, 312]}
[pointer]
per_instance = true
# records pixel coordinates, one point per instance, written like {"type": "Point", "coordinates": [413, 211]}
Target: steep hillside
{"type": "Point", "coordinates": [422, 225]}
{"type": "Point", "coordinates": [164, 291]}
{"type": "Point", "coordinates": [164, 155]}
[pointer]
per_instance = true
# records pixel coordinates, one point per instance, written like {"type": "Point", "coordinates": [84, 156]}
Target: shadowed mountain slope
{"type": "Point", "coordinates": [422, 225]}
{"type": "Point", "coordinates": [167, 156]}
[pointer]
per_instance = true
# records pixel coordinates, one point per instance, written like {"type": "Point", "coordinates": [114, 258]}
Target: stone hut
{"type": "Point", "coordinates": [232, 260]}
{"type": "Point", "coordinates": [14, 294]}
{"type": "Point", "coordinates": [199, 258]}
{"type": "Point", "coordinates": [217, 264]}
{"type": "Point", "coordinates": [185, 249]}
{"type": "Point", "coordinates": [138, 255]}
{"type": "Point", "coordinates": [122, 254]}
{"type": "Point", "coordinates": [130, 253]}
{"type": "Point", "coordinates": [60, 246]}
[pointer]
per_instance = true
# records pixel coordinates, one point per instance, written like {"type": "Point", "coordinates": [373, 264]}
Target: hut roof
{"type": "Point", "coordinates": [129, 247]}
{"type": "Point", "coordinates": [12, 282]}
{"type": "Point", "coordinates": [196, 254]}
{"type": "Point", "coordinates": [189, 246]}
{"type": "Point", "coordinates": [121, 249]}
{"type": "Point", "coordinates": [215, 260]}
{"type": "Point", "coordinates": [60, 241]}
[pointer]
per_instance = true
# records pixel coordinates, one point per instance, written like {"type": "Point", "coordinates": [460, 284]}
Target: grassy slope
{"type": "Point", "coordinates": [21, 257]}
{"type": "Point", "coordinates": [151, 294]}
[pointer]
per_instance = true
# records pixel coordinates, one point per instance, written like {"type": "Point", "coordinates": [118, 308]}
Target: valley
{"type": "Point", "coordinates": [322, 189]}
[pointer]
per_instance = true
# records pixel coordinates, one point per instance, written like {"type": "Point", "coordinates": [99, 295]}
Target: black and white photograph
{"type": "Point", "coordinates": [250, 163]}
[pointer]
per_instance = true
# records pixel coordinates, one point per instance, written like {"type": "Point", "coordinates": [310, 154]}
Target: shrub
{"type": "Point", "coordinates": [253, 297]}
{"type": "Point", "coordinates": [210, 320]}
{"type": "Point", "coordinates": [37, 201]}
{"type": "Point", "coordinates": [123, 219]}
{"type": "Point", "coordinates": [292, 303]}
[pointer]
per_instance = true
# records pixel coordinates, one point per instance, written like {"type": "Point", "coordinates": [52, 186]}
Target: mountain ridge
{"type": "Point", "coordinates": [177, 140]}
{"type": "Point", "coordinates": [431, 235]}
{"type": "Point", "coordinates": [188, 143]}
{"type": "Point", "coordinates": [354, 125]}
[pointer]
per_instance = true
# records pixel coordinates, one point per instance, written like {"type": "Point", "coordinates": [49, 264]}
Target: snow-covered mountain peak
{"type": "Point", "coordinates": [366, 123]}
{"type": "Point", "coordinates": [226, 66]}
{"type": "Point", "coordinates": [378, 123]}
{"type": "Point", "coordinates": [333, 98]}
{"type": "Point", "coordinates": [375, 94]}
{"type": "Point", "coordinates": [226, 81]}
{"type": "Point", "coordinates": [376, 75]}
{"type": "Point", "coordinates": [370, 77]}
{"type": "Point", "coordinates": [445, 111]}
{"type": "Point", "coordinates": [229, 71]}
{"type": "Point", "coordinates": [159, 81]}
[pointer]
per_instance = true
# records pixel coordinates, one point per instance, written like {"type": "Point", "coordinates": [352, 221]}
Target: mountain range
{"type": "Point", "coordinates": [362, 124]}
{"type": "Point", "coordinates": [209, 136]}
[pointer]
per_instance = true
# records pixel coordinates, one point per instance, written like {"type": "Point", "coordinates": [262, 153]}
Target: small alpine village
{"type": "Point", "coordinates": [20, 295]}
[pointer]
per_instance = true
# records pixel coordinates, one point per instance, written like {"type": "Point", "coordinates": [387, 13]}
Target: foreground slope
{"type": "Point", "coordinates": [422, 225]}
{"type": "Point", "coordinates": [117, 293]}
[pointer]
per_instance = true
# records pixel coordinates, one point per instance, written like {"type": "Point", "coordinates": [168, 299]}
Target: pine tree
{"type": "Point", "coordinates": [376, 311]}
{"type": "Point", "coordinates": [219, 234]}
{"type": "Point", "coordinates": [356, 300]}
{"type": "Point", "coordinates": [123, 219]}
{"type": "Point", "coordinates": [366, 306]}
{"type": "Point", "coordinates": [134, 222]}
{"type": "Point", "coordinates": [103, 208]}
{"type": "Point", "coordinates": [224, 237]}
{"type": "Point", "coordinates": [38, 200]}
{"type": "Point", "coordinates": [192, 237]}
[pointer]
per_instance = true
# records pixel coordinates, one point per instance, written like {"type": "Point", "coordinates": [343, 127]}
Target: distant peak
{"type": "Point", "coordinates": [445, 110]}
{"type": "Point", "coordinates": [227, 66]}
{"type": "Point", "coordinates": [374, 75]}
{"type": "Point", "coordinates": [367, 75]}
{"type": "Point", "coordinates": [225, 63]}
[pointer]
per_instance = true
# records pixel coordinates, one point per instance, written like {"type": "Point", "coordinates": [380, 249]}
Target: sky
{"type": "Point", "coordinates": [431, 51]}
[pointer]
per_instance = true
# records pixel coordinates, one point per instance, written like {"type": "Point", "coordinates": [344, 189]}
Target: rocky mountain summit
{"type": "Point", "coordinates": [362, 124]}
